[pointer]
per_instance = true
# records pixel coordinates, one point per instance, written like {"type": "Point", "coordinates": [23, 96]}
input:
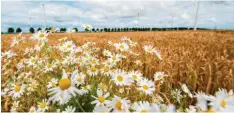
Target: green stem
{"type": "Point", "coordinates": [79, 105]}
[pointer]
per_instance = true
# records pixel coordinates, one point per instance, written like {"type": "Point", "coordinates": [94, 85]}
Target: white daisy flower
{"type": "Point", "coordinates": [65, 88]}
{"type": "Point", "coordinates": [149, 49]}
{"type": "Point", "coordinates": [109, 63]}
{"type": "Point", "coordinates": [142, 107]}
{"type": "Point", "coordinates": [138, 62]}
{"type": "Point", "coordinates": [8, 54]}
{"type": "Point", "coordinates": [222, 102]}
{"type": "Point", "coordinates": [17, 39]}
{"type": "Point", "coordinates": [32, 86]}
{"type": "Point", "coordinates": [105, 70]}
{"type": "Point", "coordinates": [69, 60]}
{"type": "Point", "coordinates": [14, 106]}
{"type": "Point", "coordinates": [171, 108]}
{"type": "Point", "coordinates": [85, 89]}
{"type": "Point", "coordinates": [43, 106]}
{"type": "Point", "coordinates": [159, 76]}
{"type": "Point", "coordinates": [121, 46]}
{"type": "Point", "coordinates": [93, 71]}
{"type": "Point", "coordinates": [52, 83]}
{"type": "Point", "coordinates": [17, 91]}
{"type": "Point", "coordinates": [5, 91]}
{"type": "Point", "coordinates": [102, 87]}
{"type": "Point", "coordinates": [147, 86]}
{"type": "Point", "coordinates": [40, 36]}
{"type": "Point", "coordinates": [121, 78]}
{"type": "Point", "coordinates": [201, 101]}
{"type": "Point", "coordinates": [120, 105]}
{"type": "Point", "coordinates": [132, 44]}
{"type": "Point", "coordinates": [69, 109]}
{"type": "Point", "coordinates": [94, 61]}
{"type": "Point", "coordinates": [79, 77]}
{"type": "Point", "coordinates": [39, 45]}
{"type": "Point", "coordinates": [191, 109]}
{"type": "Point", "coordinates": [49, 67]}
{"type": "Point", "coordinates": [158, 55]}
{"type": "Point", "coordinates": [136, 75]}
{"type": "Point", "coordinates": [20, 65]}
{"type": "Point", "coordinates": [101, 109]}
{"type": "Point", "coordinates": [32, 61]}
{"type": "Point", "coordinates": [106, 53]}
{"type": "Point", "coordinates": [32, 110]}
{"type": "Point", "coordinates": [101, 98]}
{"type": "Point", "coordinates": [186, 90]}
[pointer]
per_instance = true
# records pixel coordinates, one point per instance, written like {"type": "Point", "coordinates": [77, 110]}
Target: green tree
{"type": "Point", "coordinates": [11, 30]}
{"type": "Point", "coordinates": [97, 30]}
{"type": "Point", "coordinates": [61, 30]}
{"type": "Point", "coordinates": [18, 30]}
{"type": "Point", "coordinates": [76, 29]}
{"type": "Point", "coordinates": [105, 29]}
{"type": "Point", "coordinates": [31, 30]}
{"type": "Point", "coordinates": [39, 29]}
{"type": "Point", "coordinates": [93, 30]}
{"type": "Point", "coordinates": [46, 29]}
{"type": "Point", "coordinates": [118, 30]}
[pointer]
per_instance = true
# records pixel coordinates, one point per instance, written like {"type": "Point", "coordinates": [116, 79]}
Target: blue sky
{"type": "Point", "coordinates": [115, 14]}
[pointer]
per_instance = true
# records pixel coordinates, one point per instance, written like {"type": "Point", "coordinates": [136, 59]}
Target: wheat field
{"type": "Point", "coordinates": [203, 60]}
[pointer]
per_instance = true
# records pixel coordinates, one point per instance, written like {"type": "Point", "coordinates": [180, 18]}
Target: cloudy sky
{"type": "Point", "coordinates": [116, 14]}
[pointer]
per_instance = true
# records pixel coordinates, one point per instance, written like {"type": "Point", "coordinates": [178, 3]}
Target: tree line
{"type": "Point", "coordinates": [32, 30]}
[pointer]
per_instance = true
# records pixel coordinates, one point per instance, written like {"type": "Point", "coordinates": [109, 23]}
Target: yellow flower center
{"type": "Point", "coordinates": [210, 110]}
{"type": "Point", "coordinates": [223, 103]}
{"type": "Point", "coordinates": [143, 111]}
{"type": "Point", "coordinates": [41, 35]}
{"type": "Point", "coordinates": [145, 87]}
{"type": "Point", "coordinates": [69, 59]}
{"type": "Point", "coordinates": [94, 61]}
{"type": "Point", "coordinates": [54, 83]}
{"type": "Point", "coordinates": [134, 77]}
{"type": "Point", "coordinates": [101, 99]}
{"type": "Point", "coordinates": [79, 79]}
{"type": "Point", "coordinates": [49, 65]}
{"type": "Point", "coordinates": [106, 69]}
{"type": "Point", "coordinates": [33, 85]}
{"type": "Point", "coordinates": [93, 69]}
{"type": "Point", "coordinates": [14, 106]}
{"type": "Point", "coordinates": [121, 46]}
{"type": "Point", "coordinates": [42, 105]}
{"type": "Point", "coordinates": [149, 49]}
{"type": "Point", "coordinates": [120, 78]}
{"type": "Point", "coordinates": [64, 83]}
{"type": "Point", "coordinates": [118, 105]}
{"type": "Point", "coordinates": [159, 76]}
{"type": "Point", "coordinates": [229, 95]}
{"type": "Point", "coordinates": [17, 88]}
{"type": "Point", "coordinates": [68, 46]}
{"type": "Point", "coordinates": [102, 86]}
{"type": "Point", "coordinates": [33, 60]}
{"type": "Point", "coordinates": [114, 58]}
{"type": "Point", "coordinates": [32, 111]}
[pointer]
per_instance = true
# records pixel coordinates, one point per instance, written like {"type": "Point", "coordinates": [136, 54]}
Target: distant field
{"type": "Point", "coordinates": [202, 59]}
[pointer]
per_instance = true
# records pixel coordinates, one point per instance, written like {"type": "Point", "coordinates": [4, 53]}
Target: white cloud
{"type": "Point", "coordinates": [116, 14]}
